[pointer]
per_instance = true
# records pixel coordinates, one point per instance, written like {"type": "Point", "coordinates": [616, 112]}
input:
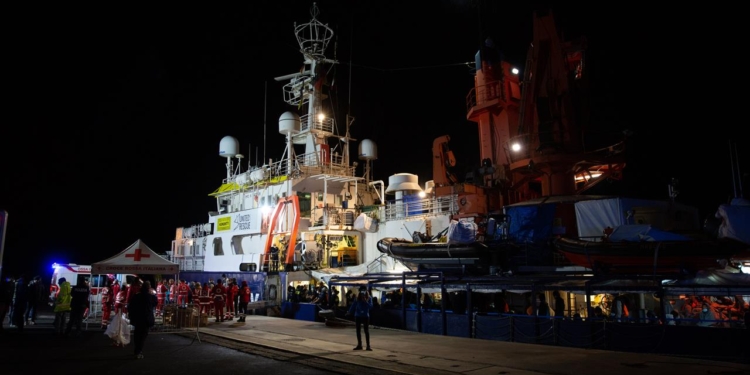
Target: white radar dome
{"type": "Point", "coordinates": [289, 122]}
{"type": "Point", "coordinates": [403, 182]}
{"type": "Point", "coordinates": [368, 150]}
{"type": "Point", "coordinates": [229, 147]}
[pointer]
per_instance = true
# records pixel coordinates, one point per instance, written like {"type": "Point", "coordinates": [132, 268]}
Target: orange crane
{"type": "Point", "coordinates": [291, 204]}
{"type": "Point", "coordinates": [532, 132]}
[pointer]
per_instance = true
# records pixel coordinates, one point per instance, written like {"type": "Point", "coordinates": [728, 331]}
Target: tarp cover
{"type": "Point", "coordinates": [137, 259]}
{"type": "Point", "coordinates": [531, 223]}
{"type": "Point", "coordinates": [712, 282]}
{"type": "Point", "coordinates": [735, 220]}
{"type": "Point", "coordinates": [593, 216]}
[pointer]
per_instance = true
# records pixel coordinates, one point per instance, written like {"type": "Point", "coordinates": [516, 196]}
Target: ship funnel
{"type": "Point", "coordinates": [403, 182]}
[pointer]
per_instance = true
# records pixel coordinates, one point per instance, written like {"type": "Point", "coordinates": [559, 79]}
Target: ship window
{"type": "Point", "coordinates": [304, 204]}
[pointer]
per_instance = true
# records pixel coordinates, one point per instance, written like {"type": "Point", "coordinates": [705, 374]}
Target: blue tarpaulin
{"type": "Point", "coordinates": [531, 223]}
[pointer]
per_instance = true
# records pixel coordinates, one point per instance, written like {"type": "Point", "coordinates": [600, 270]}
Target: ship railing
{"type": "Point", "coordinates": [190, 263]}
{"type": "Point", "coordinates": [293, 91]}
{"type": "Point", "coordinates": [484, 93]}
{"type": "Point", "coordinates": [314, 163]}
{"type": "Point", "coordinates": [312, 123]}
{"type": "Point", "coordinates": [402, 209]}
{"type": "Point", "coordinates": [271, 263]}
{"type": "Point", "coordinates": [338, 216]}
{"type": "Point", "coordinates": [311, 163]}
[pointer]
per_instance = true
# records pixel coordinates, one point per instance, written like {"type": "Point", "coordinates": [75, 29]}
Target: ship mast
{"type": "Point", "coordinates": [305, 87]}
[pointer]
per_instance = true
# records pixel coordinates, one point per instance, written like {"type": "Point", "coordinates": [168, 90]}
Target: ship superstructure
{"type": "Point", "coordinates": [308, 210]}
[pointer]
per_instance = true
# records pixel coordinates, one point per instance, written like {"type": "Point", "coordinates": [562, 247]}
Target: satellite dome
{"type": "Point", "coordinates": [289, 122]}
{"type": "Point", "coordinates": [368, 150]}
{"type": "Point", "coordinates": [229, 147]}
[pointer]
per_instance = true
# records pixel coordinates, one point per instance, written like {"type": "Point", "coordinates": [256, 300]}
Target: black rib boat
{"type": "Point", "coordinates": [428, 253]}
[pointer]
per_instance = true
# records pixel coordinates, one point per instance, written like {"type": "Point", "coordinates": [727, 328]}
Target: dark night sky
{"type": "Point", "coordinates": [115, 112]}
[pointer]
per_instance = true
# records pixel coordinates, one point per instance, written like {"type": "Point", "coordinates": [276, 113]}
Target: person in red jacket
{"type": "Point", "coordinates": [236, 298]}
{"type": "Point", "coordinates": [232, 290]}
{"type": "Point", "coordinates": [204, 298]}
{"type": "Point", "coordinates": [108, 300]}
{"type": "Point", "coordinates": [121, 305]}
{"type": "Point", "coordinates": [115, 288]}
{"type": "Point", "coordinates": [219, 295]}
{"type": "Point", "coordinates": [182, 293]}
{"type": "Point", "coordinates": [161, 296]}
{"type": "Point", "coordinates": [171, 292]}
{"type": "Point", "coordinates": [244, 293]}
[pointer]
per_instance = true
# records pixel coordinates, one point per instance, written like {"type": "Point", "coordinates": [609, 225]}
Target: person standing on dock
{"type": "Point", "coordinates": [361, 310]}
{"type": "Point", "coordinates": [244, 294]}
{"type": "Point", "coordinates": [141, 312]}
{"type": "Point", "coordinates": [219, 296]}
{"type": "Point", "coordinates": [559, 304]}
{"type": "Point", "coordinates": [62, 306]}
{"type": "Point", "coordinates": [79, 302]}
{"type": "Point", "coordinates": [108, 302]}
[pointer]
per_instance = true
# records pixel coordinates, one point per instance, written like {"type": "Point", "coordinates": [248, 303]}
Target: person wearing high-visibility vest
{"type": "Point", "coordinates": [62, 306]}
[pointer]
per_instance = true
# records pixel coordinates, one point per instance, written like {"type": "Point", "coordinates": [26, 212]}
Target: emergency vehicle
{"type": "Point", "coordinates": [75, 274]}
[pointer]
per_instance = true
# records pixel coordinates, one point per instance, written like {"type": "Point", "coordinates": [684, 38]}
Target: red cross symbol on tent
{"type": "Point", "coordinates": [137, 255]}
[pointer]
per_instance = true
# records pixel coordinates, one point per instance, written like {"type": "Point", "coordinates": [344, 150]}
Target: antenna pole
{"type": "Point", "coordinates": [736, 165]}
{"type": "Point", "coordinates": [351, 48]}
{"type": "Point", "coordinates": [265, 109]}
{"type": "Point", "coordinates": [349, 118]}
{"type": "Point", "coordinates": [731, 164]}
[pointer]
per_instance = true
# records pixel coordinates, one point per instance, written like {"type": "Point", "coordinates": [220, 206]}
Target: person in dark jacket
{"type": "Point", "coordinates": [361, 309]}
{"type": "Point", "coordinates": [542, 307]}
{"type": "Point", "coordinates": [6, 298]}
{"type": "Point", "coordinates": [20, 299]}
{"type": "Point", "coordinates": [141, 313]}
{"type": "Point", "coordinates": [79, 302]}
{"type": "Point", "coordinates": [36, 298]}
{"type": "Point", "coordinates": [559, 304]}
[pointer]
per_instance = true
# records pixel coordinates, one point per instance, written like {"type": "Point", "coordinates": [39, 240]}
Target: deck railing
{"type": "Point", "coordinates": [402, 209]}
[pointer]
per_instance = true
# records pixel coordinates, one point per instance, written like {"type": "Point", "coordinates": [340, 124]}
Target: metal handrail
{"type": "Point", "coordinates": [400, 209]}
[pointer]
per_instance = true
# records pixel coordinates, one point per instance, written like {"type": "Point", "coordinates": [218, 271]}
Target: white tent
{"type": "Point", "coordinates": [137, 259]}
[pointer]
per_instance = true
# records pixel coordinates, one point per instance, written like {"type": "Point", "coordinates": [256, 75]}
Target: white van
{"type": "Point", "coordinates": [76, 274]}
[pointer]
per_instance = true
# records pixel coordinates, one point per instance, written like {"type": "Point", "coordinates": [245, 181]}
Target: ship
{"type": "Point", "coordinates": [296, 218]}
{"type": "Point", "coordinates": [482, 248]}
{"type": "Point", "coordinates": [307, 216]}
